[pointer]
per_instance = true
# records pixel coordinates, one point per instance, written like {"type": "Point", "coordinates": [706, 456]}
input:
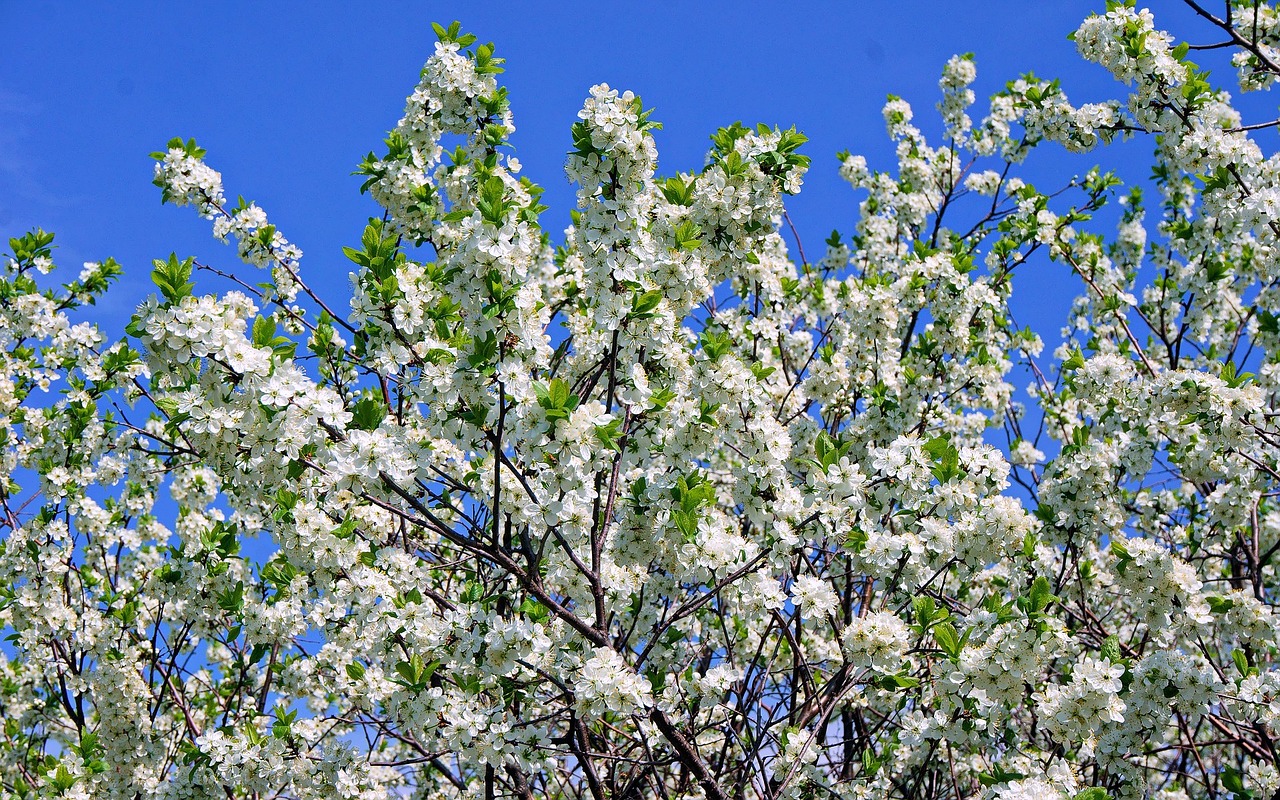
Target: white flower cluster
{"type": "Point", "coordinates": [879, 641]}
{"type": "Point", "coordinates": [606, 684]}
{"type": "Point", "coordinates": [1161, 586]}
{"type": "Point", "coordinates": [814, 596]}
{"type": "Point", "coordinates": [1075, 712]}
{"type": "Point", "coordinates": [187, 180]}
{"type": "Point", "coordinates": [262, 245]}
{"type": "Point", "coordinates": [656, 509]}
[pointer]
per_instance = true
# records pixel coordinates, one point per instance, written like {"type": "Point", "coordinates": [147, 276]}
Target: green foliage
{"type": "Point", "coordinates": [556, 399]}
{"type": "Point", "coordinates": [691, 493]}
{"type": "Point", "coordinates": [173, 278]}
{"type": "Point", "coordinates": [946, 459]}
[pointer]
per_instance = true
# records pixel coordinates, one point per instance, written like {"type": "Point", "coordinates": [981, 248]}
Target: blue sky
{"type": "Point", "coordinates": [287, 97]}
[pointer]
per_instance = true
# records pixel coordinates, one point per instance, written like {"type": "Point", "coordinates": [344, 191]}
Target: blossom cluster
{"type": "Point", "coordinates": [662, 508]}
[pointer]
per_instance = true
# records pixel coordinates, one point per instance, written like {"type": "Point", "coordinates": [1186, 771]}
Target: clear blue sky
{"type": "Point", "coordinates": [287, 97]}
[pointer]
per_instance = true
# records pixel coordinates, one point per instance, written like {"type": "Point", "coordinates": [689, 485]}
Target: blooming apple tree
{"type": "Point", "coordinates": [666, 510]}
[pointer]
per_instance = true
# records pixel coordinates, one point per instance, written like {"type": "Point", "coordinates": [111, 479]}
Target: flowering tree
{"type": "Point", "coordinates": [665, 511]}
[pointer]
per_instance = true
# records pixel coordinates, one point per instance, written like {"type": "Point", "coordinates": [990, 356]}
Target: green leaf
{"type": "Point", "coordinates": [1041, 594]}
{"type": "Point", "coordinates": [687, 235]}
{"type": "Point", "coordinates": [716, 344]}
{"type": "Point", "coordinates": [368, 412]}
{"type": "Point", "coordinates": [1233, 378]}
{"type": "Point", "coordinates": [414, 673]}
{"type": "Point", "coordinates": [949, 640]}
{"type": "Point", "coordinates": [1075, 362]}
{"type": "Point", "coordinates": [609, 434]}
{"type": "Point", "coordinates": [924, 608]}
{"type": "Point", "coordinates": [677, 191]}
{"type": "Point", "coordinates": [643, 304]}
{"type": "Point", "coordinates": [558, 391]}
{"type": "Point", "coordinates": [1220, 605]}
{"type": "Point", "coordinates": [1111, 649]}
{"type": "Point", "coordinates": [491, 201]}
{"type": "Point", "coordinates": [1242, 663]}
{"type": "Point", "coordinates": [946, 459]}
{"type": "Point", "coordinates": [1233, 781]}
{"type": "Point", "coordinates": [173, 278]}
{"type": "Point", "coordinates": [534, 611]}
{"type": "Point", "coordinates": [998, 775]}
{"type": "Point", "coordinates": [856, 540]}
{"type": "Point", "coordinates": [898, 681]}
{"type": "Point", "coordinates": [556, 398]}
{"type": "Point", "coordinates": [1122, 556]}
{"type": "Point", "coordinates": [472, 592]}
{"type": "Point", "coordinates": [483, 353]}
{"type": "Point", "coordinates": [657, 679]}
{"type": "Point", "coordinates": [62, 779]}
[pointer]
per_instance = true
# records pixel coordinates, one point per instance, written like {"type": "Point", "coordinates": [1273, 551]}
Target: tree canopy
{"type": "Point", "coordinates": [661, 508]}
